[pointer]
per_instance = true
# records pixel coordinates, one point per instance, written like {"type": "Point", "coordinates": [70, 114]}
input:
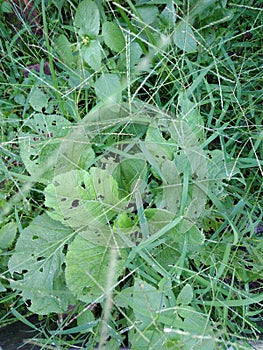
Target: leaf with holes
{"type": "Point", "coordinates": [158, 146]}
{"type": "Point", "coordinates": [38, 261]}
{"type": "Point", "coordinates": [88, 267]}
{"type": "Point", "coordinates": [84, 199]}
{"type": "Point", "coordinates": [39, 149]}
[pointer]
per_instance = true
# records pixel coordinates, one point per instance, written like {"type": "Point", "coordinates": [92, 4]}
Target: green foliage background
{"type": "Point", "coordinates": [96, 98]}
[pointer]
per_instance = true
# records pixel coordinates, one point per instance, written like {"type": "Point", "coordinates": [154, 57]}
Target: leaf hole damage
{"type": "Point", "coordinates": [83, 185]}
{"type": "Point", "coordinates": [40, 258]}
{"type": "Point", "coordinates": [194, 176]}
{"type": "Point", "coordinates": [75, 203]}
{"type": "Point", "coordinates": [28, 303]}
{"type": "Point", "coordinates": [34, 157]}
{"type": "Point", "coordinates": [86, 290]}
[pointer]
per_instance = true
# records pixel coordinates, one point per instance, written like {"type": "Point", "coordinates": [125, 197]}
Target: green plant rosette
{"type": "Point", "coordinates": [126, 173]}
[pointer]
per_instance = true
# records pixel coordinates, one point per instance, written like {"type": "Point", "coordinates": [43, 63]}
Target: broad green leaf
{"type": "Point", "coordinates": [148, 13]}
{"type": "Point", "coordinates": [158, 218]}
{"type": "Point", "coordinates": [39, 149]}
{"type": "Point", "coordinates": [84, 199]}
{"type": "Point", "coordinates": [152, 338]}
{"type": "Point", "coordinates": [38, 258]}
{"type": "Point", "coordinates": [78, 76]}
{"type": "Point", "coordinates": [38, 99]}
{"type": "Point", "coordinates": [124, 221]}
{"type": "Point", "coordinates": [64, 48]}
{"type": "Point", "coordinates": [85, 319]}
{"type": "Point", "coordinates": [91, 54]}
{"type": "Point", "coordinates": [202, 8]}
{"type": "Point", "coordinates": [123, 297]}
{"type": "Point", "coordinates": [7, 235]}
{"type": "Point", "coordinates": [191, 163]}
{"type": "Point", "coordinates": [194, 238]}
{"type": "Point", "coordinates": [87, 19]}
{"type": "Point", "coordinates": [168, 15]}
{"type": "Point", "coordinates": [188, 236]}
{"type": "Point", "coordinates": [147, 301]}
{"type": "Point", "coordinates": [20, 99]}
{"type": "Point", "coordinates": [131, 175]}
{"type": "Point", "coordinates": [185, 296]}
{"type": "Point", "coordinates": [221, 169]}
{"type": "Point", "coordinates": [172, 189]}
{"type": "Point", "coordinates": [75, 151]}
{"type": "Point", "coordinates": [89, 202]}
{"type": "Point", "coordinates": [6, 7]}
{"type": "Point", "coordinates": [158, 146]}
{"type": "Point", "coordinates": [87, 269]}
{"type": "Point", "coordinates": [108, 88]}
{"type": "Point", "coordinates": [135, 53]}
{"type": "Point", "coordinates": [197, 332]}
{"type": "Point", "coordinates": [113, 36]}
{"type": "Point", "coordinates": [183, 37]}
{"type": "Point", "coordinates": [167, 255]}
{"type": "Point", "coordinates": [190, 113]}
{"type": "Point", "coordinates": [198, 324]}
{"type": "Point", "coordinates": [100, 234]}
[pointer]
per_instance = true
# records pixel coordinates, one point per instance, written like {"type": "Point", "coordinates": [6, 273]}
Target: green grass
{"type": "Point", "coordinates": [193, 280]}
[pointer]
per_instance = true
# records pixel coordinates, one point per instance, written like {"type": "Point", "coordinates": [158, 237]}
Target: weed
{"type": "Point", "coordinates": [131, 172]}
